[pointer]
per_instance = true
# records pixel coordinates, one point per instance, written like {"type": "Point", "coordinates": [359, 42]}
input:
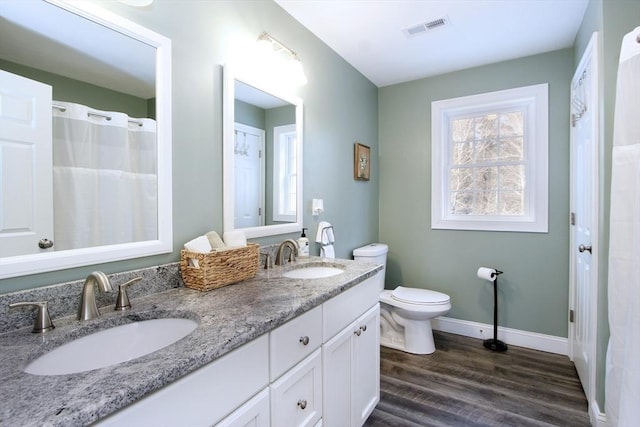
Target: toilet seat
{"type": "Point", "coordinates": [419, 296]}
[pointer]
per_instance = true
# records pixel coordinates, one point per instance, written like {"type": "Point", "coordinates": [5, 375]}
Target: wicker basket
{"type": "Point", "coordinates": [217, 269]}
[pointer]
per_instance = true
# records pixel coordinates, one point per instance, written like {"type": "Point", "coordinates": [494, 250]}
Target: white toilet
{"type": "Point", "coordinates": [405, 313]}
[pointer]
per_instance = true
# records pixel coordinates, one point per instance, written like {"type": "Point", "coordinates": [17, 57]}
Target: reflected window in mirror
{"type": "Point", "coordinates": [92, 175]}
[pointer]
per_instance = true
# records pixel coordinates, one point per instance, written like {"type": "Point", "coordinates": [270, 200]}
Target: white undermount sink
{"type": "Point", "coordinates": [111, 346]}
{"type": "Point", "coordinates": [313, 272]}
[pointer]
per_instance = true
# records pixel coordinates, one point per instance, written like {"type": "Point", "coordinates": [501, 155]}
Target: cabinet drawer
{"type": "Point", "coordinates": [287, 342]}
{"type": "Point", "coordinates": [343, 309]}
{"type": "Point", "coordinates": [296, 398]}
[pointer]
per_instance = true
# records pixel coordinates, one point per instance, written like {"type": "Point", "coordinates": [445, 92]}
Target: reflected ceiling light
{"type": "Point", "coordinates": [280, 61]}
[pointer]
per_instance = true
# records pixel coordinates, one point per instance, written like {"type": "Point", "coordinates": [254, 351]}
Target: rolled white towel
{"type": "Point", "coordinates": [214, 240]}
{"type": "Point", "coordinates": [234, 238]}
{"type": "Point", "coordinates": [200, 245]}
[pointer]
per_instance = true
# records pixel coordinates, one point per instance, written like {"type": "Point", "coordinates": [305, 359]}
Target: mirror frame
{"type": "Point", "coordinates": [228, 121]}
{"type": "Point", "coordinates": [52, 261]}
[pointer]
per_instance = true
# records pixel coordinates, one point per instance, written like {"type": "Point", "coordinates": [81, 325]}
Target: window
{"type": "Point", "coordinates": [284, 173]}
{"type": "Point", "coordinates": [490, 161]}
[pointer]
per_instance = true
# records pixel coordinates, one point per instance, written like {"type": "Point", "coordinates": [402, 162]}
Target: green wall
{"type": "Point", "coordinates": [533, 292]}
{"type": "Point", "coordinates": [340, 108]}
{"type": "Point", "coordinates": [70, 90]}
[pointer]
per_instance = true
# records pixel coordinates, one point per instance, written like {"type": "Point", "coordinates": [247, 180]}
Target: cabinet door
{"type": "Point", "coordinates": [336, 374]}
{"type": "Point", "coordinates": [366, 366]}
{"type": "Point", "coordinates": [296, 398]}
{"type": "Point", "coordinates": [351, 372]}
{"type": "Point", "coordinates": [254, 413]}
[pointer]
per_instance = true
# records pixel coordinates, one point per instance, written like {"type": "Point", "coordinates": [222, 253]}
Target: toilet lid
{"type": "Point", "coordinates": [419, 296]}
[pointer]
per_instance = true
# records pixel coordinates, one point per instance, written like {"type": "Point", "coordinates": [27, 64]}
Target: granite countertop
{"type": "Point", "coordinates": [228, 317]}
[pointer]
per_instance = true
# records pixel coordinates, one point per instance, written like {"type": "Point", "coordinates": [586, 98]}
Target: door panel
{"type": "Point", "coordinates": [26, 188]}
{"type": "Point", "coordinates": [249, 173]}
{"type": "Point", "coordinates": [584, 208]}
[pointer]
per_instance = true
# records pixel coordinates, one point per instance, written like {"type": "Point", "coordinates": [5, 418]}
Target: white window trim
{"type": "Point", "coordinates": [278, 193]}
{"type": "Point", "coordinates": [536, 102]}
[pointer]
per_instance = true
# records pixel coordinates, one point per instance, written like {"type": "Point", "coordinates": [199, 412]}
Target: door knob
{"type": "Point", "coordinates": [583, 248]}
{"type": "Point", "coordinates": [45, 243]}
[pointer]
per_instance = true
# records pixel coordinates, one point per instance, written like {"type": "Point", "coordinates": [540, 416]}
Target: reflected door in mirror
{"type": "Point", "coordinates": [26, 191]}
{"type": "Point", "coordinates": [249, 172]}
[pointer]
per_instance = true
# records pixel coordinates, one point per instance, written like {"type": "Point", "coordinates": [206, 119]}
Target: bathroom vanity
{"type": "Point", "coordinates": [269, 351]}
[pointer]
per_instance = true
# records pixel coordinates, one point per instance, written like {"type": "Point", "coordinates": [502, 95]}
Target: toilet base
{"type": "Point", "coordinates": [425, 349]}
{"type": "Point", "coordinates": [410, 336]}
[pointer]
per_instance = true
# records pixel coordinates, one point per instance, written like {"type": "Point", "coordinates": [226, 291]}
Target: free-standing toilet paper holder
{"type": "Point", "coordinates": [494, 343]}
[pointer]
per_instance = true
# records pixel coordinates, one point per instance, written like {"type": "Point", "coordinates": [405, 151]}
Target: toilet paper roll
{"type": "Point", "coordinates": [486, 273]}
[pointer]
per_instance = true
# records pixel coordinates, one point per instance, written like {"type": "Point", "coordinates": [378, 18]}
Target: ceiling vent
{"type": "Point", "coordinates": [426, 26]}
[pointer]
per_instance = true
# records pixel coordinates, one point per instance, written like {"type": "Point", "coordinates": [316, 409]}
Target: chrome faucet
{"type": "Point", "coordinates": [88, 308]}
{"type": "Point", "coordinates": [293, 251]}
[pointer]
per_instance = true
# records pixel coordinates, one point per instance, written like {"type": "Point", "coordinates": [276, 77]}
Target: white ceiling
{"type": "Point", "coordinates": [369, 33]}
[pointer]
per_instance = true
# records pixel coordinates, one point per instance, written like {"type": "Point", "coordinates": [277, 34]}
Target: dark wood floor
{"type": "Point", "coordinates": [464, 384]}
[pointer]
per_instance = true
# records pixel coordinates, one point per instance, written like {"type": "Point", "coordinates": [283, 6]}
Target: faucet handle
{"type": "Point", "coordinates": [43, 321]}
{"type": "Point", "coordinates": [268, 263]}
{"type": "Point", "coordinates": [122, 301]}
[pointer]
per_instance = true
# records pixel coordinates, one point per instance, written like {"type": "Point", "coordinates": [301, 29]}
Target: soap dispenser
{"type": "Point", "coordinates": [303, 244]}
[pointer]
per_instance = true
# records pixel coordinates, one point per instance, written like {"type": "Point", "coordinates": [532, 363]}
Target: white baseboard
{"type": "Point", "coordinates": [533, 340]}
{"type": "Point", "coordinates": [597, 418]}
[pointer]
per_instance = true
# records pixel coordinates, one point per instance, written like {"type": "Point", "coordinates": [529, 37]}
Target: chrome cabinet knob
{"type": "Point", "coordinates": [583, 248]}
{"type": "Point", "coordinates": [358, 332]}
{"type": "Point", "coordinates": [302, 404]}
{"type": "Point", "coordinates": [304, 340]}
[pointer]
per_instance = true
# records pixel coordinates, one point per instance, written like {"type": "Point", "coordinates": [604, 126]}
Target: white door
{"type": "Point", "coordinates": [584, 218]}
{"type": "Point", "coordinates": [26, 189]}
{"type": "Point", "coordinates": [249, 176]}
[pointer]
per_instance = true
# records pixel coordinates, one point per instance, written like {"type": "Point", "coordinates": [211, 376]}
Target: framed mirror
{"type": "Point", "coordinates": [85, 138]}
{"type": "Point", "coordinates": [263, 141]}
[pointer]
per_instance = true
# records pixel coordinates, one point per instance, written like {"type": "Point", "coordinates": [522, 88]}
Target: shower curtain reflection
{"type": "Point", "coordinates": [104, 177]}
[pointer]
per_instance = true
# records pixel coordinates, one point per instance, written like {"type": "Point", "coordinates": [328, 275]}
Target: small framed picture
{"type": "Point", "coordinates": [361, 162]}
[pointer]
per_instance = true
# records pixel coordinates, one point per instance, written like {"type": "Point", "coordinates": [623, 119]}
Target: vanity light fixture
{"type": "Point", "coordinates": [283, 62]}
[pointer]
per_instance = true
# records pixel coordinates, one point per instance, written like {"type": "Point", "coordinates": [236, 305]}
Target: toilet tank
{"type": "Point", "coordinates": [373, 252]}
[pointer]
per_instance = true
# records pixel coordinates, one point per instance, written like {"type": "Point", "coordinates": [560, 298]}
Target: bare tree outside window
{"type": "Point", "coordinates": [487, 173]}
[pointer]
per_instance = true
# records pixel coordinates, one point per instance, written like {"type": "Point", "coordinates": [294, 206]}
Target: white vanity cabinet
{"type": "Point", "coordinates": [204, 396]}
{"type": "Point", "coordinates": [351, 358]}
{"type": "Point", "coordinates": [351, 372]}
{"type": "Point", "coordinates": [320, 369]}
{"type": "Point", "coordinates": [254, 413]}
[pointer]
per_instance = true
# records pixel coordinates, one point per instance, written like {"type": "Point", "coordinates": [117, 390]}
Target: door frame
{"type": "Point", "coordinates": [590, 56]}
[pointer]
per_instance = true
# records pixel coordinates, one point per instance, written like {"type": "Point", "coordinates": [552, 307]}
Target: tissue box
{"type": "Point", "coordinates": [217, 269]}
